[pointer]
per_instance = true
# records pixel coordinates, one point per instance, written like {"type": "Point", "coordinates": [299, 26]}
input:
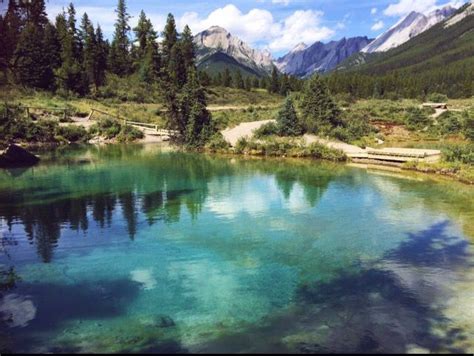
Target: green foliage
{"type": "Point", "coordinates": [269, 129]}
{"type": "Point", "coordinates": [460, 153]}
{"type": "Point", "coordinates": [274, 84]}
{"type": "Point", "coordinates": [217, 143]}
{"type": "Point", "coordinates": [416, 119]}
{"type": "Point", "coordinates": [289, 147]}
{"type": "Point", "coordinates": [287, 120]}
{"type": "Point", "coordinates": [119, 59]}
{"type": "Point", "coordinates": [468, 126]}
{"type": "Point", "coordinates": [320, 112]}
{"type": "Point", "coordinates": [112, 129]}
{"type": "Point", "coordinates": [129, 134]}
{"type": "Point", "coordinates": [437, 98]}
{"type": "Point", "coordinates": [73, 133]}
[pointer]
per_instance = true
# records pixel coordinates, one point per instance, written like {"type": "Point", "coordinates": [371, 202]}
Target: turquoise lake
{"type": "Point", "coordinates": [145, 249]}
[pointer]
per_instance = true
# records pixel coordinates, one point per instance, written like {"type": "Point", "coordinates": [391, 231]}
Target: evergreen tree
{"type": "Point", "coordinates": [89, 43]}
{"type": "Point", "coordinates": [320, 112]}
{"type": "Point", "coordinates": [151, 64]}
{"type": "Point", "coordinates": [248, 84]}
{"type": "Point", "coordinates": [204, 78]}
{"type": "Point", "coordinates": [11, 27]}
{"type": "Point", "coordinates": [119, 58]}
{"type": "Point", "coordinates": [100, 59]}
{"type": "Point", "coordinates": [33, 67]}
{"type": "Point", "coordinates": [71, 76]}
{"type": "Point", "coordinates": [170, 39]}
{"type": "Point", "coordinates": [226, 78]}
{"type": "Point", "coordinates": [218, 80]}
{"type": "Point", "coordinates": [145, 35]}
{"type": "Point", "coordinates": [284, 85]}
{"type": "Point", "coordinates": [274, 85]}
{"type": "Point", "coordinates": [187, 47]}
{"type": "Point", "coordinates": [256, 82]}
{"type": "Point", "coordinates": [287, 120]}
{"type": "Point", "coordinates": [238, 80]}
{"type": "Point", "coordinates": [195, 124]}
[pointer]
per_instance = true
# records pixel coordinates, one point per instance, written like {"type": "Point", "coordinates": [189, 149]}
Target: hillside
{"type": "Point", "coordinates": [440, 60]}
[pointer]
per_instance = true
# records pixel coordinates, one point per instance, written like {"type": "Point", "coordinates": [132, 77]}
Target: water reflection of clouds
{"type": "Point", "coordinates": [17, 310]}
{"type": "Point", "coordinates": [228, 201]}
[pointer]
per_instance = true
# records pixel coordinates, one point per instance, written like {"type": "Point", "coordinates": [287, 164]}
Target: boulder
{"type": "Point", "coordinates": [15, 156]}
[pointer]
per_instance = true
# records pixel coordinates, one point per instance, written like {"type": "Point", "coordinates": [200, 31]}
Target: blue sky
{"type": "Point", "coordinates": [276, 25]}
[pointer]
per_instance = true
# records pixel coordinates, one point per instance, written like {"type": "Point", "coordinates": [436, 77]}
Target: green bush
{"type": "Point", "coordinates": [450, 123]}
{"type": "Point", "coordinates": [129, 134]}
{"type": "Point", "coordinates": [460, 153]}
{"type": "Point", "coordinates": [468, 126]}
{"type": "Point", "coordinates": [437, 98]}
{"type": "Point", "coordinates": [269, 129]}
{"type": "Point", "coordinates": [74, 134]}
{"type": "Point", "coordinates": [217, 143]}
{"type": "Point", "coordinates": [416, 119]}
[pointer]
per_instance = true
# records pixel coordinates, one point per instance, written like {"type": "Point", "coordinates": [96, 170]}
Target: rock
{"type": "Point", "coordinates": [164, 321]}
{"type": "Point", "coordinates": [15, 156]}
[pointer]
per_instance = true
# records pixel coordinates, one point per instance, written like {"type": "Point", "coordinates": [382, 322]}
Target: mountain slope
{"type": "Point", "coordinates": [409, 27]}
{"type": "Point", "coordinates": [304, 61]}
{"type": "Point", "coordinates": [217, 49]}
{"type": "Point", "coordinates": [441, 46]}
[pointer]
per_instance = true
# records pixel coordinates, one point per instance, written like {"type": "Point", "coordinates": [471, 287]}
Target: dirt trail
{"type": "Point", "coordinates": [245, 129]}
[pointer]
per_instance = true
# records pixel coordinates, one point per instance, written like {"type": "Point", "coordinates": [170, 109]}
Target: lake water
{"type": "Point", "coordinates": [142, 249]}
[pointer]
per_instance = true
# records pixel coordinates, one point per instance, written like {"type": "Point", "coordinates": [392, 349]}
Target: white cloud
{"type": "Point", "coordinates": [378, 26]}
{"type": "Point", "coordinates": [302, 26]}
{"type": "Point", "coordinates": [281, 2]}
{"type": "Point", "coordinates": [258, 27]}
{"type": "Point", "coordinates": [373, 11]}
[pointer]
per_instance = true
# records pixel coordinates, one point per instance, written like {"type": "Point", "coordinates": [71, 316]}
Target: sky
{"type": "Point", "coordinates": [275, 25]}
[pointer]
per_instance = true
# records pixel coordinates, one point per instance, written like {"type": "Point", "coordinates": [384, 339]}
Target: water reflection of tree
{"type": "Point", "coordinates": [157, 186]}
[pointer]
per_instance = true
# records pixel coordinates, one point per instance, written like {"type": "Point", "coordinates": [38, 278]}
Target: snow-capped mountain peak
{"type": "Point", "coordinates": [299, 47]}
{"type": "Point", "coordinates": [410, 26]}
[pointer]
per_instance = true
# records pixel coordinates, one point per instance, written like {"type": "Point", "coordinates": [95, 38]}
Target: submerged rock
{"type": "Point", "coordinates": [164, 321]}
{"type": "Point", "coordinates": [16, 156]}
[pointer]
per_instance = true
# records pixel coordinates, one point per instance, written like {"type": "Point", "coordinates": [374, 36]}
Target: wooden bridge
{"type": "Point", "coordinates": [65, 114]}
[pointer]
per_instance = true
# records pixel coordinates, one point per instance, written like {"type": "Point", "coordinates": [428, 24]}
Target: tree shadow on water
{"type": "Point", "coordinates": [385, 308]}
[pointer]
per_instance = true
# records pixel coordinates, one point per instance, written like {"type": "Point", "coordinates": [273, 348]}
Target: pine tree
{"type": "Point", "coordinates": [89, 43]}
{"type": "Point", "coordinates": [248, 84]}
{"type": "Point", "coordinates": [274, 85]}
{"type": "Point", "coordinates": [187, 47]}
{"type": "Point", "coordinates": [151, 64]}
{"type": "Point", "coordinates": [170, 39]}
{"type": "Point", "coordinates": [320, 112]}
{"type": "Point", "coordinates": [284, 86]}
{"type": "Point", "coordinates": [204, 78]}
{"type": "Point", "coordinates": [33, 67]}
{"type": "Point", "coordinates": [11, 27]}
{"type": "Point", "coordinates": [119, 58]}
{"type": "Point", "coordinates": [287, 120]}
{"type": "Point", "coordinates": [71, 77]}
{"type": "Point", "coordinates": [100, 59]}
{"type": "Point", "coordinates": [195, 124]}
{"type": "Point", "coordinates": [256, 82]}
{"type": "Point", "coordinates": [238, 80]}
{"type": "Point", "coordinates": [218, 80]}
{"type": "Point", "coordinates": [226, 78]}
{"type": "Point", "coordinates": [145, 34]}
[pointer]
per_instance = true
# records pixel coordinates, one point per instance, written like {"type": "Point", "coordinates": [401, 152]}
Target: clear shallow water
{"type": "Point", "coordinates": [140, 249]}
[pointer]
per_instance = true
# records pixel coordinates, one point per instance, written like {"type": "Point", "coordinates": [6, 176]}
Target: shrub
{"type": "Point", "coordinates": [460, 153]}
{"type": "Point", "coordinates": [217, 143]}
{"type": "Point", "coordinates": [74, 134]}
{"type": "Point", "coordinates": [416, 119]}
{"type": "Point", "coordinates": [129, 134]}
{"type": "Point", "coordinates": [468, 126]}
{"type": "Point", "coordinates": [269, 129]}
{"type": "Point", "coordinates": [449, 123]}
{"type": "Point", "coordinates": [437, 98]}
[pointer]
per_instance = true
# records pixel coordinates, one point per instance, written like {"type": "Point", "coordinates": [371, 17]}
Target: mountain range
{"type": "Point", "coordinates": [410, 26]}
{"type": "Point", "coordinates": [217, 49]}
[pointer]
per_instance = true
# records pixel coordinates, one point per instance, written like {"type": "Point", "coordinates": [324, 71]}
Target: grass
{"type": "Point", "coordinates": [288, 147]}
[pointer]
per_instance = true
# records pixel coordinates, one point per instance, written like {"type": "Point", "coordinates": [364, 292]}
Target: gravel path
{"type": "Point", "coordinates": [245, 129]}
